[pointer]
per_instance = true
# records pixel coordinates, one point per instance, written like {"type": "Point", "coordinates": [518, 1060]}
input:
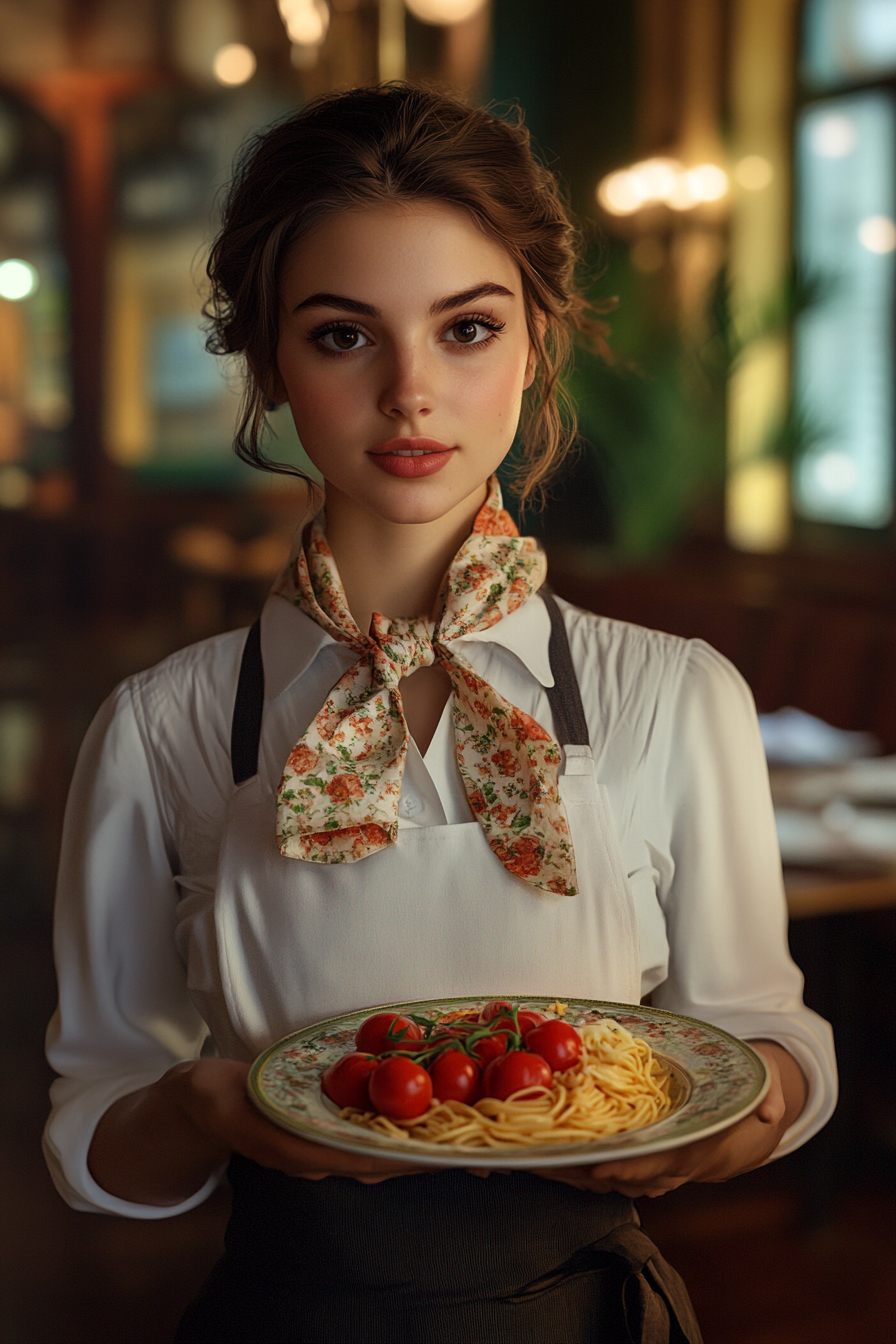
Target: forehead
{"type": "Point", "coordinates": [427, 248]}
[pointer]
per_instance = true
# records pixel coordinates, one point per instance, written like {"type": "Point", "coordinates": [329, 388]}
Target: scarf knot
{"type": "Point", "coordinates": [338, 798]}
{"type": "Point", "coordinates": [398, 648]}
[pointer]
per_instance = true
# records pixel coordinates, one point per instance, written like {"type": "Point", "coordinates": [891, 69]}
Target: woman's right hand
{"type": "Point", "coordinates": [161, 1144]}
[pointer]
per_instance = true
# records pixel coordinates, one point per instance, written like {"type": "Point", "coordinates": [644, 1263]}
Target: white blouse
{"type": "Point", "coordinates": [676, 744]}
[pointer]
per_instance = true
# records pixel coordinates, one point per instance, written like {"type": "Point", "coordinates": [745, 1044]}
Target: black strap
{"type": "Point", "coordinates": [245, 730]}
{"type": "Point", "coordinates": [564, 696]}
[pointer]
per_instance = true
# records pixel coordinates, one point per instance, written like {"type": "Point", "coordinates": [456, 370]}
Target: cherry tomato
{"type": "Point", "coordinates": [494, 1008]}
{"type": "Point", "coordinates": [557, 1042]}
{"type": "Point", "coordinates": [372, 1037]}
{"type": "Point", "coordinates": [490, 1047]}
{"type": "Point", "coordinates": [526, 1017]}
{"type": "Point", "coordinates": [345, 1081]}
{"type": "Point", "coordinates": [456, 1077]}
{"type": "Point", "coordinates": [513, 1072]}
{"type": "Point", "coordinates": [452, 1033]}
{"type": "Point", "coordinates": [529, 1018]}
{"type": "Point", "coordinates": [400, 1089]}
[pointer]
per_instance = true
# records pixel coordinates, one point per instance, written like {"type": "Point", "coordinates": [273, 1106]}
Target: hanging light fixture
{"type": "Point", "coordinates": [444, 12]}
{"type": "Point", "coordinates": [661, 181]}
{"type": "Point", "coordinates": [306, 21]}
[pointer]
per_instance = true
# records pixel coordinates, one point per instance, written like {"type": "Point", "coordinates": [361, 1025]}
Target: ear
{"type": "Point", "coordinates": [541, 325]}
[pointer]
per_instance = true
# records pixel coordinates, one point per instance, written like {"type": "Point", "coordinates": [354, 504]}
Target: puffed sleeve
{"type": "Point", "coordinates": [124, 1015]}
{"type": "Point", "coordinates": [722, 892]}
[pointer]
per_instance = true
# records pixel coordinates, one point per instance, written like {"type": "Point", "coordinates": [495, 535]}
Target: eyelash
{"type": "Point", "coordinates": [316, 336]}
{"type": "Point", "coordinates": [480, 320]}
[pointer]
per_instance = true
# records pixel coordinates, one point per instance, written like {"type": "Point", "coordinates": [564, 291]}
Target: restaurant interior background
{"type": "Point", "coordinates": [733, 164]}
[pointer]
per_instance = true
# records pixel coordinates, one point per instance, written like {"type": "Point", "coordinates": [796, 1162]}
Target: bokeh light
{"type": "Point", "coordinates": [234, 64]}
{"type": "Point", "coordinates": [661, 181]}
{"type": "Point", "coordinates": [753, 172]}
{"type": "Point", "coordinates": [833, 137]}
{"type": "Point", "coordinates": [16, 488]}
{"type": "Point", "coordinates": [878, 234]}
{"type": "Point", "coordinates": [707, 182]}
{"type": "Point", "coordinates": [306, 21]}
{"type": "Point", "coordinates": [835, 472]}
{"type": "Point", "coordinates": [444, 11]}
{"type": "Point", "coordinates": [619, 193]}
{"type": "Point", "coordinates": [18, 279]}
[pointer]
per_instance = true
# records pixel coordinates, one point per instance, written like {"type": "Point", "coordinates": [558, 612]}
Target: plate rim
{"type": "Point", "coordinates": [579, 1154]}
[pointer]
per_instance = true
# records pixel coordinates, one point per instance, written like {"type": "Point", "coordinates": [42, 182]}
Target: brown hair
{"type": "Point", "coordinates": [398, 142]}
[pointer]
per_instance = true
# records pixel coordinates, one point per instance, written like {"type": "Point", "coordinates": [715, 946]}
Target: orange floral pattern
{"type": "Point", "coordinates": [338, 798]}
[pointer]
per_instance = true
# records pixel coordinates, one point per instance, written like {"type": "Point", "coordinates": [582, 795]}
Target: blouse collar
{"type": "Point", "coordinates": [291, 641]}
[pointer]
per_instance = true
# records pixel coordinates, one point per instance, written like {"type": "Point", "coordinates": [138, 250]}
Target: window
{"type": "Point", "coordinates": [843, 354]}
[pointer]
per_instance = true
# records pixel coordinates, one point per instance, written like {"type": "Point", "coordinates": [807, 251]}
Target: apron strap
{"type": "Point", "coordinates": [655, 1299]}
{"type": "Point", "coordinates": [564, 696]}
{"type": "Point", "coordinates": [655, 1302]}
{"type": "Point", "coordinates": [245, 730]}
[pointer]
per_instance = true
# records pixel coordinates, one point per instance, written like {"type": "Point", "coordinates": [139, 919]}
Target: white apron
{"type": "Point", "coordinates": [296, 941]}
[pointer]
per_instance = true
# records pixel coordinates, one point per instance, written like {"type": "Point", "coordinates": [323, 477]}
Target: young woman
{"type": "Point", "coordinates": [584, 815]}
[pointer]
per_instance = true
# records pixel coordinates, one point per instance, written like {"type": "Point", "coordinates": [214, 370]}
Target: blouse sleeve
{"type": "Point", "coordinates": [723, 891]}
{"type": "Point", "coordinates": [124, 1015]}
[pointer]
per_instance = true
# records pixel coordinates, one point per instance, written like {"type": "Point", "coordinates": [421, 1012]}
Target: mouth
{"type": "Point", "coordinates": [411, 457]}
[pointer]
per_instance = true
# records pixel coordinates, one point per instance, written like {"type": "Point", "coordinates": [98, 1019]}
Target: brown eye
{"type": "Point", "coordinates": [344, 339]}
{"type": "Point", "coordinates": [465, 332]}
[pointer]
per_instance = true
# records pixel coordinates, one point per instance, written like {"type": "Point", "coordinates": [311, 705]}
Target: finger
{"type": "Point", "coordinates": [772, 1110]}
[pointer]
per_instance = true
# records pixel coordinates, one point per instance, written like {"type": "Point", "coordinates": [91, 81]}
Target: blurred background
{"type": "Point", "coordinates": [733, 163]}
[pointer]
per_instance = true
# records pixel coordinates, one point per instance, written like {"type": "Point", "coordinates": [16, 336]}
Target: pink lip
{"type": "Point", "coordinates": [430, 457]}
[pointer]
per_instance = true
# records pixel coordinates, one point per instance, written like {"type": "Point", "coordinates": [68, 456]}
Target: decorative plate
{"type": "Point", "coordinates": [718, 1078]}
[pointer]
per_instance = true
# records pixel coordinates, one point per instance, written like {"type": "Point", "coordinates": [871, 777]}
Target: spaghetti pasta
{"type": "Point", "coordinates": [618, 1084]}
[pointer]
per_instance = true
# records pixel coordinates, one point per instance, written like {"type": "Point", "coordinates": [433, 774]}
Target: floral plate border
{"type": "Point", "coordinates": [725, 1077]}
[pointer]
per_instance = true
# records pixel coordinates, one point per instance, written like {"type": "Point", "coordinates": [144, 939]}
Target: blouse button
{"type": "Point", "coordinates": [410, 805]}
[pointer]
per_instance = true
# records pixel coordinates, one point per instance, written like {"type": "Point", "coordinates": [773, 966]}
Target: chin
{"type": "Point", "coordinates": [422, 502]}
{"type": "Point", "coordinates": [414, 512]}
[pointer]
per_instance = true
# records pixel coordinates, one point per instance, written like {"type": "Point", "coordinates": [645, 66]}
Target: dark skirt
{"type": "Point", "coordinates": [442, 1258]}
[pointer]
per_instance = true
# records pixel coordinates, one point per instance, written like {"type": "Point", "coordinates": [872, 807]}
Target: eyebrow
{"type": "Point", "coordinates": [460, 300]}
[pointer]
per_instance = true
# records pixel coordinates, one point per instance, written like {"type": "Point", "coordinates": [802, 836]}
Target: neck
{"type": "Point", "coordinates": [395, 569]}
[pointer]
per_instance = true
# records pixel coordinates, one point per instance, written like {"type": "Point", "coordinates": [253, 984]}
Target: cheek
{"type": "Point", "coordinates": [496, 396]}
{"type": "Point", "coordinates": [317, 409]}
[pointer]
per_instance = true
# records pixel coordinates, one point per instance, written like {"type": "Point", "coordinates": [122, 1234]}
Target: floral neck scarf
{"type": "Point", "coordinates": [338, 798]}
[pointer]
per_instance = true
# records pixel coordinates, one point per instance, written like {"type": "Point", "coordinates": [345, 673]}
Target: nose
{"type": "Point", "coordinates": [408, 391]}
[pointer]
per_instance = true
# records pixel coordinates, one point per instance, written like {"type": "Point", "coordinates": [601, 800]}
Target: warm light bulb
{"type": "Point", "coordinates": [620, 193]}
{"type": "Point", "coordinates": [682, 197]}
{"type": "Point", "coordinates": [18, 279]}
{"type": "Point", "coordinates": [234, 64]}
{"type": "Point", "coordinates": [707, 182]}
{"type": "Point", "coordinates": [444, 11]}
{"type": "Point", "coordinates": [657, 178]}
{"type": "Point", "coordinates": [661, 181]}
{"type": "Point", "coordinates": [306, 21]}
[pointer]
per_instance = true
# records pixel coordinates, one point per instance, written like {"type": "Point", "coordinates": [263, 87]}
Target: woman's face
{"type": "Point", "coordinates": [404, 353]}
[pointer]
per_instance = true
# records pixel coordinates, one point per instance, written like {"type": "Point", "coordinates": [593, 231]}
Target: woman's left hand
{"type": "Point", "coordinates": [741, 1148]}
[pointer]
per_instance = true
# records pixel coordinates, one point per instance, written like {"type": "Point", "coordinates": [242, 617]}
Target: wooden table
{"type": "Point", "coordinates": [821, 892]}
